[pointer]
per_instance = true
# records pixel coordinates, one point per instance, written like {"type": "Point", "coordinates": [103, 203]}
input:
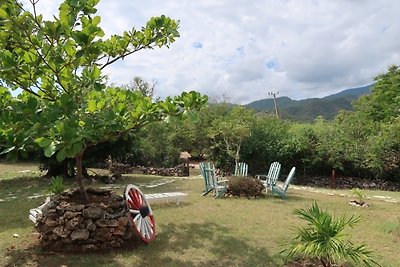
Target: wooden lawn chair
{"type": "Point", "coordinates": [281, 191]}
{"type": "Point", "coordinates": [241, 169]}
{"type": "Point", "coordinates": [270, 179]}
{"type": "Point", "coordinates": [212, 181]}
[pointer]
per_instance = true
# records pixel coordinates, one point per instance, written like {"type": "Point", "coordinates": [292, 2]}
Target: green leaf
{"type": "Point", "coordinates": [43, 141]}
{"type": "Point", "coordinates": [101, 104]}
{"type": "Point", "coordinates": [92, 105]}
{"type": "Point", "coordinates": [32, 102]}
{"type": "Point", "coordinates": [77, 147]}
{"type": "Point", "coordinates": [95, 73]}
{"type": "Point", "coordinates": [59, 126]}
{"type": "Point", "coordinates": [61, 155]}
{"type": "Point", "coordinates": [96, 20]}
{"type": "Point", "coordinates": [50, 150]}
{"type": "Point", "coordinates": [3, 14]}
{"type": "Point", "coordinates": [70, 48]}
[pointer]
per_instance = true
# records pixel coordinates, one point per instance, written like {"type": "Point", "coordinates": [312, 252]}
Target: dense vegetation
{"type": "Point", "coordinates": [67, 109]}
{"type": "Point", "coordinates": [364, 142]}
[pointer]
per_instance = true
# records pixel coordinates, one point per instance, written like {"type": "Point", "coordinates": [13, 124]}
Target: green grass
{"type": "Point", "coordinates": [200, 231]}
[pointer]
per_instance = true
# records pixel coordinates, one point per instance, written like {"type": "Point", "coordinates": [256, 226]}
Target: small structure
{"type": "Point", "coordinates": [184, 158]}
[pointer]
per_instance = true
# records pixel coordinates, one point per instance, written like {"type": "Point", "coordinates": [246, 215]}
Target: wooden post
{"type": "Point", "coordinates": [332, 181]}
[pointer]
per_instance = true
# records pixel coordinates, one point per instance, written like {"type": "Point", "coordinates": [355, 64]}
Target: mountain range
{"type": "Point", "coordinates": [309, 109]}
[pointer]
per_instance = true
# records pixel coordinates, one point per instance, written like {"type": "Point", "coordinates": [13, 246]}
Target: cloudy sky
{"type": "Point", "coordinates": [241, 49]}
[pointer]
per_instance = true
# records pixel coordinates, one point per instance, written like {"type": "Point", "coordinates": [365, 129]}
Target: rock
{"type": "Point", "coordinates": [123, 221]}
{"type": "Point", "coordinates": [107, 223]}
{"type": "Point", "coordinates": [121, 229]}
{"type": "Point", "coordinates": [80, 234]}
{"type": "Point", "coordinates": [90, 225]}
{"type": "Point", "coordinates": [76, 208]}
{"type": "Point", "coordinates": [93, 213]}
{"type": "Point", "coordinates": [73, 223]}
{"type": "Point", "coordinates": [51, 223]}
{"type": "Point", "coordinates": [100, 224]}
{"type": "Point", "coordinates": [61, 231]}
{"type": "Point", "coordinates": [70, 214]}
{"type": "Point", "coordinates": [103, 234]}
{"type": "Point", "coordinates": [65, 206]}
{"type": "Point", "coordinates": [128, 234]}
{"type": "Point", "coordinates": [114, 215]}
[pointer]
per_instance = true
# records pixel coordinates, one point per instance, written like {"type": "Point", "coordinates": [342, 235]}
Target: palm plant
{"type": "Point", "coordinates": [323, 238]}
{"type": "Point", "coordinates": [359, 194]}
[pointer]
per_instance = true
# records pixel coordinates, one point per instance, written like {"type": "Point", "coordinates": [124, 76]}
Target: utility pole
{"type": "Point", "coordinates": [276, 106]}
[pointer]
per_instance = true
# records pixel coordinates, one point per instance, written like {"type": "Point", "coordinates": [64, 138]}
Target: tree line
{"type": "Point", "coordinates": [363, 143]}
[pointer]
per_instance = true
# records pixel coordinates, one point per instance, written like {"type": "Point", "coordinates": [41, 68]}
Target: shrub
{"type": "Point", "coordinates": [57, 185]}
{"type": "Point", "coordinates": [245, 186]}
{"type": "Point", "coordinates": [323, 239]}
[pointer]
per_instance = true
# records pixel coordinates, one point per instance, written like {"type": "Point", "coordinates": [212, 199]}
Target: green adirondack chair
{"type": "Point", "coordinates": [212, 181]}
{"type": "Point", "coordinates": [270, 179]}
{"type": "Point", "coordinates": [241, 169]}
{"type": "Point", "coordinates": [281, 191]}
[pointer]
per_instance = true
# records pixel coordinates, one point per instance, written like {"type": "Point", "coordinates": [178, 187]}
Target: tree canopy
{"type": "Point", "coordinates": [65, 105]}
{"type": "Point", "coordinates": [383, 104]}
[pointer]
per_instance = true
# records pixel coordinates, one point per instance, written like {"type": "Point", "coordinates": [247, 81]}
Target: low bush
{"type": "Point", "coordinates": [245, 186]}
{"type": "Point", "coordinates": [57, 185]}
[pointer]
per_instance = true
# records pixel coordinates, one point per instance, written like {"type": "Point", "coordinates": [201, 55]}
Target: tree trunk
{"type": "Point", "coordinates": [79, 176]}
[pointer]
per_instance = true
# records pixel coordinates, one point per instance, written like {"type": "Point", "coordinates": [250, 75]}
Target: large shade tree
{"type": "Point", "coordinates": [66, 106]}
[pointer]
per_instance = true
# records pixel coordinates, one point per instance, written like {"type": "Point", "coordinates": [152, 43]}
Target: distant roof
{"type": "Point", "coordinates": [185, 155]}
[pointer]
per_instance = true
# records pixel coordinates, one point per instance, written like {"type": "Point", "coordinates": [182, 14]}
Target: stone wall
{"type": "Point", "coordinates": [69, 224]}
{"type": "Point", "coordinates": [347, 183]}
{"type": "Point", "coordinates": [117, 169]}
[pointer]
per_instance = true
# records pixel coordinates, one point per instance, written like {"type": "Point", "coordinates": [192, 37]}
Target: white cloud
{"type": "Point", "coordinates": [302, 48]}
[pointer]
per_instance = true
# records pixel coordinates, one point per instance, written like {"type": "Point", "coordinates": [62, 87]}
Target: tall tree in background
{"type": "Point", "coordinates": [140, 85]}
{"type": "Point", "coordinates": [230, 131]}
{"type": "Point", "coordinates": [66, 106]}
{"type": "Point", "coordinates": [383, 104]}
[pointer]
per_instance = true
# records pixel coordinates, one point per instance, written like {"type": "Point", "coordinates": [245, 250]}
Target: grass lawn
{"type": "Point", "coordinates": [200, 231]}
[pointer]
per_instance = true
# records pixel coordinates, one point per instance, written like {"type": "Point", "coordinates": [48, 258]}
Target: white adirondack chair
{"type": "Point", "coordinates": [241, 169]}
{"type": "Point", "coordinates": [281, 191]}
{"type": "Point", "coordinates": [270, 179]}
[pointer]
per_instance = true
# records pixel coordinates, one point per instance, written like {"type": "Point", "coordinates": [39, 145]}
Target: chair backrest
{"type": "Point", "coordinates": [289, 179]}
{"type": "Point", "coordinates": [207, 170]}
{"type": "Point", "coordinates": [273, 173]}
{"type": "Point", "coordinates": [241, 169]}
{"type": "Point", "coordinates": [210, 178]}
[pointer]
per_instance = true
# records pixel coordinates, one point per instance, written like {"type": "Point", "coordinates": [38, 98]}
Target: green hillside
{"type": "Point", "coordinates": [310, 108]}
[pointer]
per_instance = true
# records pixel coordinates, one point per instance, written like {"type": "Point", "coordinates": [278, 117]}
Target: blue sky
{"type": "Point", "coordinates": [241, 50]}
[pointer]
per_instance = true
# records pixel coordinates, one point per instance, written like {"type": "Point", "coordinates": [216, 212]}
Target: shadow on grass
{"type": "Point", "coordinates": [177, 245]}
{"type": "Point", "coordinates": [34, 256]}
{"type": "Point", "coordinates": [214, 244]}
